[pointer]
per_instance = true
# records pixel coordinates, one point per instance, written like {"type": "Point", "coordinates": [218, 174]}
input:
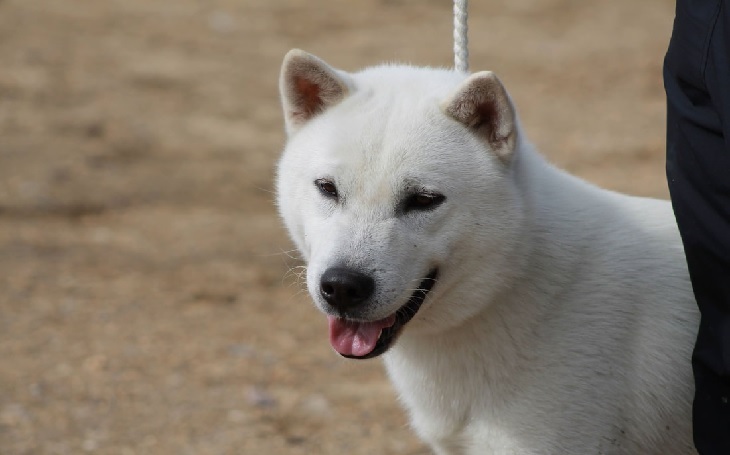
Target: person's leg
{"type": "Point", "coordinates": [697, 82]}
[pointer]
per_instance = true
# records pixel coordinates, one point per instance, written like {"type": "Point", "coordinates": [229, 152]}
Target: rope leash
{"type": "Point", "coordinates": [461, 41]}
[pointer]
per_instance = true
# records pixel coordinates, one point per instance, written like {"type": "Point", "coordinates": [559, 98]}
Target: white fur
{"type": "Point", "coordinates": [563, 319]}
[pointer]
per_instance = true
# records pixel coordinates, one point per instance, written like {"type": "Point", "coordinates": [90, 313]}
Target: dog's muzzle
{"type": "Point", "coordinates": [345, 289]}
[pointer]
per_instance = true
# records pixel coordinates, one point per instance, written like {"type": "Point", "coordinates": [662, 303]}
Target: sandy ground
{"type": "Point", "coordinates": [146, 300]}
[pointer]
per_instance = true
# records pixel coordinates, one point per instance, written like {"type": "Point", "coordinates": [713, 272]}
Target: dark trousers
{"type": "Point", "coordinates": [697, 82]}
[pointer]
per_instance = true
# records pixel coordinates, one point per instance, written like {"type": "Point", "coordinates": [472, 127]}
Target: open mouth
{"type": "Point", "coordinates": [365, 340]}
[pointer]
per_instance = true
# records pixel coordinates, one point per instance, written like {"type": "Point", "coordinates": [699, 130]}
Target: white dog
{"type": "Point", "coordinates": [520, 310]}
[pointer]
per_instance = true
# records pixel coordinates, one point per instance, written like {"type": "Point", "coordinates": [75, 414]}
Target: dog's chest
{"type": "Point", "coordinates": [451, 408]}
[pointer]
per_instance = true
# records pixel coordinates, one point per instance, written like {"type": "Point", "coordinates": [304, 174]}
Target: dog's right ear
{"type": "Point", "coordinates": [308, 86]}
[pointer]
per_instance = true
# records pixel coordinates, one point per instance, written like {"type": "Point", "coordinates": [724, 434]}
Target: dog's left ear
{"type": "Point", "coordinates": [482, 105]}
{"type": "Point", "coordinates": [308, 86]}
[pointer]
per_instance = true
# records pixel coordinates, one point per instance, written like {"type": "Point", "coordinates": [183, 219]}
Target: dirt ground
{"type": "Point", "coordinates": [146, 300]}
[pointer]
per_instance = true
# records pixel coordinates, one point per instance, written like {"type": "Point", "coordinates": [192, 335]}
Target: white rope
{"type": "Point", "coordinates": [461, 41]}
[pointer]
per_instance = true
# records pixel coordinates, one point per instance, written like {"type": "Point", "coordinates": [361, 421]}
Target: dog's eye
{"type": "Point", "coordinates": [326, 187]}
{"type": "Point", "coordinates": [424, 201]}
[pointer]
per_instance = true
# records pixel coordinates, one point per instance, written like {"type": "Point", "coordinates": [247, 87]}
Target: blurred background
{"type": "Point", "coordinates": [149, 300]}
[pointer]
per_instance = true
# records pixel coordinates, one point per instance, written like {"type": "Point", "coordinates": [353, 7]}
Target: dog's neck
{"type": "Point", "coordinates": [494, 345]}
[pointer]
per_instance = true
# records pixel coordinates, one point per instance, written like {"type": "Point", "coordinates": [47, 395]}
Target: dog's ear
{"type": "Point", "coordinates": [308, 86]}
{"type": "Point", "coordinates": [481, 103]}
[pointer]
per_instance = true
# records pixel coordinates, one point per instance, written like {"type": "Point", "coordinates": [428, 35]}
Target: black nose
{"type": "Point", "coordinates": [345, 288]}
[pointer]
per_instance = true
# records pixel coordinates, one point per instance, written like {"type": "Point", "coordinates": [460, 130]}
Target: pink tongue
{"type": "Point", "coordinates": [356, 338]}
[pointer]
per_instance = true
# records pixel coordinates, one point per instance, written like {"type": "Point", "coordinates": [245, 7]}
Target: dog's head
{"type": "Point", "coordinates": [395, 186]}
